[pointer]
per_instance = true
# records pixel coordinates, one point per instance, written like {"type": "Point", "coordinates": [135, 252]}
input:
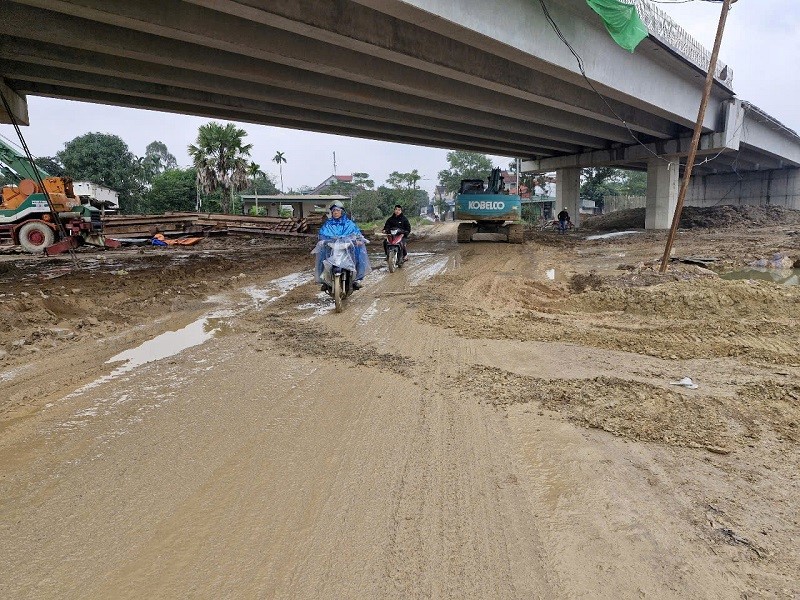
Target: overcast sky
{"type": "Point", "coordinates": [761, 44]}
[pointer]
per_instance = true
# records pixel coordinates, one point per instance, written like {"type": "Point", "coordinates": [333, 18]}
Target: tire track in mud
{"type": "Point", "coordinates": [449, 529]}
{"type": "Point", "coordinates": [380, 458]}
{"type": "Point", "coordinates": [451, 535]}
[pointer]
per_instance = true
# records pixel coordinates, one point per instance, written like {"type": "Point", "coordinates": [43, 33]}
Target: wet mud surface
{"type": "Point", "coordinates": [492, 420]}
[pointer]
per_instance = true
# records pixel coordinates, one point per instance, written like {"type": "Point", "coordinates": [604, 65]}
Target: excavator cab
{"type": "Point", "coordinates": [489, 208]}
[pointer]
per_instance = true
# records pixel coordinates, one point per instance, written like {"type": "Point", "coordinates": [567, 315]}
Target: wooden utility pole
{"type": "Point", "coordinates": [698, 126]}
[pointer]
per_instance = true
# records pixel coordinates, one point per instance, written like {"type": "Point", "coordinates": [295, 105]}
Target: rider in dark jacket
{"type": "Point", "coordinates": [397, 221]}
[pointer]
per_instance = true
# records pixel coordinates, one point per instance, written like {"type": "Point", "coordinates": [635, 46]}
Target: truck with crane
{"type": "Point", "coordinates": [42, 213]}
{"type": "Point", "coordinates": [488, 209]}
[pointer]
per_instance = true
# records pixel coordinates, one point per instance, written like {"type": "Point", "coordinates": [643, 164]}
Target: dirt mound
{"type": "Point", "coordinates": [46, 302]}
{"type": "Point", "coordinates": [643, 411]}
{"type": "Point", "coordinates": [630, 218]}
{"type": "Point", "coordinates": [697, 217]}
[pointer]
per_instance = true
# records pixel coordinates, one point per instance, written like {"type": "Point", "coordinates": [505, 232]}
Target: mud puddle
{"type": "Point", "coordinates": [607, 236]}
{"type": "Point", "coordinates": [171, 343]}
{"type": "Point", "coordinates": [786, 277]}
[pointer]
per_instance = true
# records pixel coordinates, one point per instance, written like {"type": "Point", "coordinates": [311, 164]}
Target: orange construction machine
{"type": "Point", "coordinates": [39, 225]}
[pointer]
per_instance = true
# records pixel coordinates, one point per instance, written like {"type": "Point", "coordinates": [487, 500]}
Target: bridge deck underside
{"type": "Point", "coordinates": [341, 67]}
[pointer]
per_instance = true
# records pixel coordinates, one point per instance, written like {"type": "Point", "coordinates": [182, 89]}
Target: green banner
{"type": "Point", "coordinates": [622, 22]}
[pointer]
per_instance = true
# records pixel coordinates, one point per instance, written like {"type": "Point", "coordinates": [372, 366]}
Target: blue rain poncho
{"type": "Point", "coordinates": [341, 243]}
{"type": "Point", "coordinates": [341, 227]}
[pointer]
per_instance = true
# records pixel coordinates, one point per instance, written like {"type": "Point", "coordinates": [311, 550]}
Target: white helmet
{"type": "Point", "coordinates": [336, 204]}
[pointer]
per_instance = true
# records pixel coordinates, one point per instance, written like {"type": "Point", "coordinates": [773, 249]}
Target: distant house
{"type": "Point", "coordinates": [442, 197]}
{"type": "Point", "coordinates": [98, 196]}
{"type": "Point", "coordinates": [301, 205]}
{"type": "Point", "coordinates": [542, 198]}
{"type": "Point", "coordinates": [323, 187]}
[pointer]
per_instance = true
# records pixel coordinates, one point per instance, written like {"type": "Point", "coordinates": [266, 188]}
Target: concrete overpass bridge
{"type": "Point", "coordinates": [492, 77]}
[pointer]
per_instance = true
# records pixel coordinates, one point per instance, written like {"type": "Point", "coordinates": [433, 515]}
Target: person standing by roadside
{"type": "Point", "coordinates": [563, 220]}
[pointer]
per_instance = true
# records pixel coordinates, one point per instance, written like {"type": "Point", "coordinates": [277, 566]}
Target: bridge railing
{"type": "Point", "coordinates": [661, 26]}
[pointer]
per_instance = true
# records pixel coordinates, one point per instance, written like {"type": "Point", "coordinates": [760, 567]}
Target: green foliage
{"type": "Point", "coordinates": [608, 181]}
{"type": "Point", "coordinates": [156, 160]}
{"type": "Point", "coordinates": [531, 213]}
{"type": "Point", "coordinates": [362, 181]}
{"type": "Point", "coordinates": [259, 182]}
{"type": "Point", "coordinates": [366, 206]}
{"type": "Point", "coordinates": [635, 183]}
{"type": "Point", "coordinates": [420, 199]}
{"type": "Point", "coordinates": [407, 181]}
{"type": "Point", "coordinates": [387, 200]}
{"type": "Point", "coordinates": [341, 188]}
{"type": "Point", "coordinates": [404, 191]}
{"type": "Point", "coordinates": [106, 160]}
{"type": "Point", "coordinates": [441, 206]}
{"type": "Point", "coordinates": [220, 159]}
{"type": "Point", "coordinates": [359, 183]}
{"type": "Point", "coordinates": [464, 165]}
{"type": "Point", "coordinates": [263, 184]}
{"type": "Point", "coordinates": [172, 190]}
{"type": "Point", "coordinates": [50, 165]}
{"type": "Point", "coordinates": [280, 159]}
{"type": "Point", "coordinates": [211, 202]}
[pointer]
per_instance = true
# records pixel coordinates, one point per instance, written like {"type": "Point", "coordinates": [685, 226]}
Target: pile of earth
{"type": "Point", "coordinates": [697, 217]}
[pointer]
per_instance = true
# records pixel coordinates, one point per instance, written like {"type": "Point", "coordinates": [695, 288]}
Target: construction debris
{"type": "Point", "coordinates": [207, 224]}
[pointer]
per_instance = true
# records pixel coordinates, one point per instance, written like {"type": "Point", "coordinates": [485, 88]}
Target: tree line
{"type": "Point", "coordinates": [222, 168]}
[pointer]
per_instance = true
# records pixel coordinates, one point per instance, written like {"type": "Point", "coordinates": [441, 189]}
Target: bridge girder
{"type": "Point", "coordinates": [425, 72]}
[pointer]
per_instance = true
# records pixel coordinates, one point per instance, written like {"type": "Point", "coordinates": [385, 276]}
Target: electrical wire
{"type": "Point", "coordinates": [564, 39]}
{"type": "Point", "coordinates": [581, 66]}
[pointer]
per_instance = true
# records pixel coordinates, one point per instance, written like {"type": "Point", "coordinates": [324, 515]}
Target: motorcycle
{"type": "Point", "coordinates": [339, 268]}
{"type": "Point", "coordinates": [394, 249]}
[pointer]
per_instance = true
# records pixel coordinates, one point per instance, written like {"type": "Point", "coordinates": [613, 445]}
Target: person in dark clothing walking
{"type": "Point", "coordinates": [397, 221]}
{"type": "Point", "coordinates": [563, 220]}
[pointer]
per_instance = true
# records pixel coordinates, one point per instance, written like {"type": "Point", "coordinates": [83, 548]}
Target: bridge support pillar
{"type": "Point", "coordinates": [662, 193]}
{"type": "Point", "coordinates": [568, 189]}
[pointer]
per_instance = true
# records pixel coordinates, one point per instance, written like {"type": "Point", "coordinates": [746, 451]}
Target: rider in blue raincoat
{"type": "Point", "coordinates": [337, 226]}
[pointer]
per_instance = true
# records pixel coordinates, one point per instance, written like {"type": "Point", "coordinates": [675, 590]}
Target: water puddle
{"type": "Point", "coordinates": [427, 271]}
{"type": "Point", "coordinates": [170, 343]}
{"type": "Point", "coordinates": [606, 236]}
{"type": "Point", "coordinates": [198, 332]}
{"type": "Point", "coordinates": [369, 313]}
{"type": "Point", "coordinates": [322, 305]}
{"type": "Point", "coordinates": [779, 276]}
{"type": "Point", "coordinates": [278, 288]}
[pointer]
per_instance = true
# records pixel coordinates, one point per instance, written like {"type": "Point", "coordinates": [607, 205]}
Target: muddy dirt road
{"type": "Point", "coordinates": [492, 421]}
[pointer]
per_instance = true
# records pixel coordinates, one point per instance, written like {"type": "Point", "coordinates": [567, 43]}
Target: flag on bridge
{"type": "Point", "coordinates": [622, 22]}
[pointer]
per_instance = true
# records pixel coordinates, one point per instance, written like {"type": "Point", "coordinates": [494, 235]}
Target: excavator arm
{"type": "Point", "coordinates": [14, 164]}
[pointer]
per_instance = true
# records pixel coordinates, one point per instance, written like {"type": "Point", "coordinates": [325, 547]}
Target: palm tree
{"type": "Point", "coordinates": [219, 156]}
{"type": "Point", "coordinates": [278, 158]}
{"type": "Point", "coordinates": [254, 171]}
